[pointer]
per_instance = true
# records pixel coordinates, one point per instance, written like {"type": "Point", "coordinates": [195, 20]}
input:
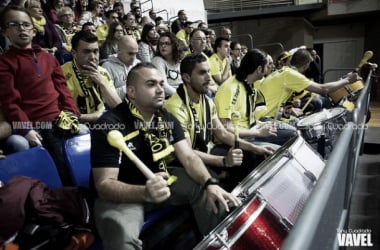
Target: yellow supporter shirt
{"type": "Point", "coordinates": [278, 87]}
{"type": "Point", "coordinates": [217, 65]}
{"type": "Point", "coordinates": [94, 101]}
{"type": "Point", "coordinates": [232, 97]}
{"type": "Point", "coordinates": [101, 33]}
{"type": "Point", "coordinates": [183, 113]}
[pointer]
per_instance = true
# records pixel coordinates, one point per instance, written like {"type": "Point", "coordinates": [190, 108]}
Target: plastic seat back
{"type": "Point", "coordinates": [77, 156]}
{"type": "Point", "coordinates": [35, 162]}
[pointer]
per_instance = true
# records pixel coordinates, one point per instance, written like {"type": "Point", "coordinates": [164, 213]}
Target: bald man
{"type": "Point", "coordinates": [118, 66]}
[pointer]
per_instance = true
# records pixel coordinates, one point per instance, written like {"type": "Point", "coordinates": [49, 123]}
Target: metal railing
{"type": "Point", "coordinates": [228, 5]}
{"type": "Point", "coordinates": [327, 209]}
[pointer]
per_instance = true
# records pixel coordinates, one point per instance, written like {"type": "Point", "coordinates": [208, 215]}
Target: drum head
{"type": "Point", "coordinates": [320, 117]}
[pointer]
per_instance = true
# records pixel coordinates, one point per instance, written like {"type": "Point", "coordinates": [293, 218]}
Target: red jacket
{"type": "Point", "coordinates": [32, 86]}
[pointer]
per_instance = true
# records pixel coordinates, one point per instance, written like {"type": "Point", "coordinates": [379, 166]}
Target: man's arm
{"type": "Point", "coordinates": [110, 188]}
{"type": "Point", "coordinates": [222, 76]}
{"type": "Point", "coordinates": [228, 138]}
{"type": "Point", "coordinates": [199, 173]}
{"type": "Point", "coordinates": [326, 88]}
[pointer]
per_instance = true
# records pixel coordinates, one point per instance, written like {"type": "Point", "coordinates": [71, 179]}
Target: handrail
{"type": "Point", "coordinates": [320, 205]}
{"type": "Point", "coordinates": [246, 35]}
{"type": "Point", "coordinates": [328, 206]}
{"type": "Point", "coordinates": [271, 44]}
{"type": "Point", "coordinates": [167, 14]}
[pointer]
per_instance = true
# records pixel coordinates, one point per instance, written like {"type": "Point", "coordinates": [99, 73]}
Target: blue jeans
{"type": "Point", "coordinates": [16, 143]}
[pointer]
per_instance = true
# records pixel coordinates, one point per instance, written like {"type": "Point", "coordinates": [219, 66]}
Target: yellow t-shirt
{"type": "Point", "coordinates": [278, 87]}
{"type": "Point", "coordinates": [181, 34]}
{"type": "Point", "coordinates": [94, 102]}
{"type": "Point", "coordinates": [217, 65]}
{"type": "Point", "coordinates": [232, 97]}
{"type": "Point", "coordinates": [183, 113]}
{"type": "Point", "coordinates": [101, 33]}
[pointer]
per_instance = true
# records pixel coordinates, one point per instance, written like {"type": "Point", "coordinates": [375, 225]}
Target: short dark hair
{"type": "Point", "coordinates": [218, 42]}
{"type": "Point", "coordinates": [301, 57]}
{"type": "Point", "coordinates": [85, 36]}
{"type": "Point", "coordinates": [132, 74]}
{"type": "Point", "coordinates": [188, 63]}
{"type": "Point", "coordinates": [109, 13]}
{"type": "Point", "coordinates": [250, 62]}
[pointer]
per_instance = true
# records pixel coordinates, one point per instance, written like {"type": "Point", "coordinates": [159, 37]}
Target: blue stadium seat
{"type": "Point", "coordinates": [35, 162]}
{"type": "Point", "coordinates": [77, 156]}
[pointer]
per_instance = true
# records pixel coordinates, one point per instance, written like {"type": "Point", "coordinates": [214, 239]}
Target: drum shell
{"type": "Point", "coordinates": [347, 91]}
{"type": "Point", "coordinates": [327, 127]}
{"type": "Point", "coordinates": [269, 229]}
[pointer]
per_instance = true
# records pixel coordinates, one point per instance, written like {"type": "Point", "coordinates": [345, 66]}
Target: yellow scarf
{"type": "Point", "coordinates": [39, 24]}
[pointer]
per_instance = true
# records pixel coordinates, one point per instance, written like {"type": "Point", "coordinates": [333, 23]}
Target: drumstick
{"type": "Point", "coordinates": [116, 139]}
{"type": "Point", "coordinates": [308, 102]}
{"type": "Point", "coordinates": [367, 55]}
{"type": "Point", "coordinates": [235, 117]}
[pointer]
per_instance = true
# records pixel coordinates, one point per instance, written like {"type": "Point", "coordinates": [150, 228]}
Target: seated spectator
{"type": "Point", "coordinates": [179, 23]}
{"type": "Point", "coordinates": [219, 65]}
{"type": "Point", "coordinates": [94, 15]}
{"type": "Point", "coordinates": [53, 13]}
{"type": "Point", "coordinates": [46, 35]}
{"type": "Point", "coordinates": [123, 192]}
{"type": "Point", "coordinates": [80, 7]}
{"type": "Point", "coordinates": [90, 85]}
{"type": "Point", "coordinates": [102, 30]}
{"type": "Point", "coordinates": [109, 47]}
{"type": "Point", "coordinates": [184, 33]}
{"type": "Point", "coordinates": [119, 66]}
{"type": "Point", "coordinates": [39, 99]}
{"type": "Point", "coordinates": [89, 26]}
{"type": "Point", "coordinates": [119, 8]}
{"type": "Point", "coordinates": [167, 61]}
{"type": "Point", "coordinates": [238, 94]}
{"type": "Point", "coordinates": [148, 43]}
{"type": "Point", "coordinates": [198, 117]}
{"type": "Point", "coordinates": [131, 27]}
{"type": "Point", "coordinates": [235, 56]}
{"type": "Point", "coordinates": [66, 27]}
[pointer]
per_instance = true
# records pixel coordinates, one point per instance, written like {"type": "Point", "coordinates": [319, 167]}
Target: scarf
{"type": "Point", "coordinates": [39, 24]}
{"type": "Point", "coordinates": [155, 134]}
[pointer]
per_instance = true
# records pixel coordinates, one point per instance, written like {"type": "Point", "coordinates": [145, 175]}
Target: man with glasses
{"type": "Point", "coordinates": [119, 66]}
{"type": "Point", "coordinates": [33, 89]}
{"type": "Point", "coordinates": [66, 27]}
{"type": "Point", "coordinates": [235, 56]}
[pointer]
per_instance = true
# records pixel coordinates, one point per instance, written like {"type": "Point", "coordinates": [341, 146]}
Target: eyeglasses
{"type": "Point", "coordinates": [24, 25]}
{"type": "Point", "coordinates": [199, 38]}
{"type": "Point", "coordinates": [66, 15]}
{"type": "Point", "coordinates": [237, 49]}
{"type": "Point", "coordinates": [164, 44]}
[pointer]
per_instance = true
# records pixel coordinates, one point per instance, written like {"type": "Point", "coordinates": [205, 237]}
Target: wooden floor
{"type": "Point", "coordinates": [375, 114]}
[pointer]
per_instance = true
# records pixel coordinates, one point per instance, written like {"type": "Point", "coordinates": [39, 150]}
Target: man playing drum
{"type": "Point", "coordinates": [278, 87]}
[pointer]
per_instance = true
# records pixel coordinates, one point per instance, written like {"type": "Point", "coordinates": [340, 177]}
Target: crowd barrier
{"type": "Point", "coordinates": [326, 212]}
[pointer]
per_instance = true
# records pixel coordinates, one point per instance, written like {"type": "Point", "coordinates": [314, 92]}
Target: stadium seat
{"type": "Point", "coordinates": [35, 162]}
{"type": "Point", "coordinates": [77, 156]}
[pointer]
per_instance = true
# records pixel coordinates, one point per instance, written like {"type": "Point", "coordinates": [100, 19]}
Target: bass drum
{"type": "Point", "coordinates": [273, 196]}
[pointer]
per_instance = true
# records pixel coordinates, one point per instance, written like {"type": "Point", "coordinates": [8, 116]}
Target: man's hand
{"type": "Point", "coordinates": [234, 157]}
{"type": "Point", "coordinates": [218, 194]}
{"type": "Point", "coordinates": [352, 77]}
{"type": "Point", "coordinates": [34, 138]}
{"type": "Point", "coordinates": [156, 189]}
{"type": "Point", "coordinates": [91, 71]}
{"type": "Point", "coordinates": [265, 129]}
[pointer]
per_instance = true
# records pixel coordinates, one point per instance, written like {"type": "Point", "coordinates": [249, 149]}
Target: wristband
{"type": "Point", "coordinates": [224, 162]}
{"type": "Point", "coordinates": [211, 181]}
